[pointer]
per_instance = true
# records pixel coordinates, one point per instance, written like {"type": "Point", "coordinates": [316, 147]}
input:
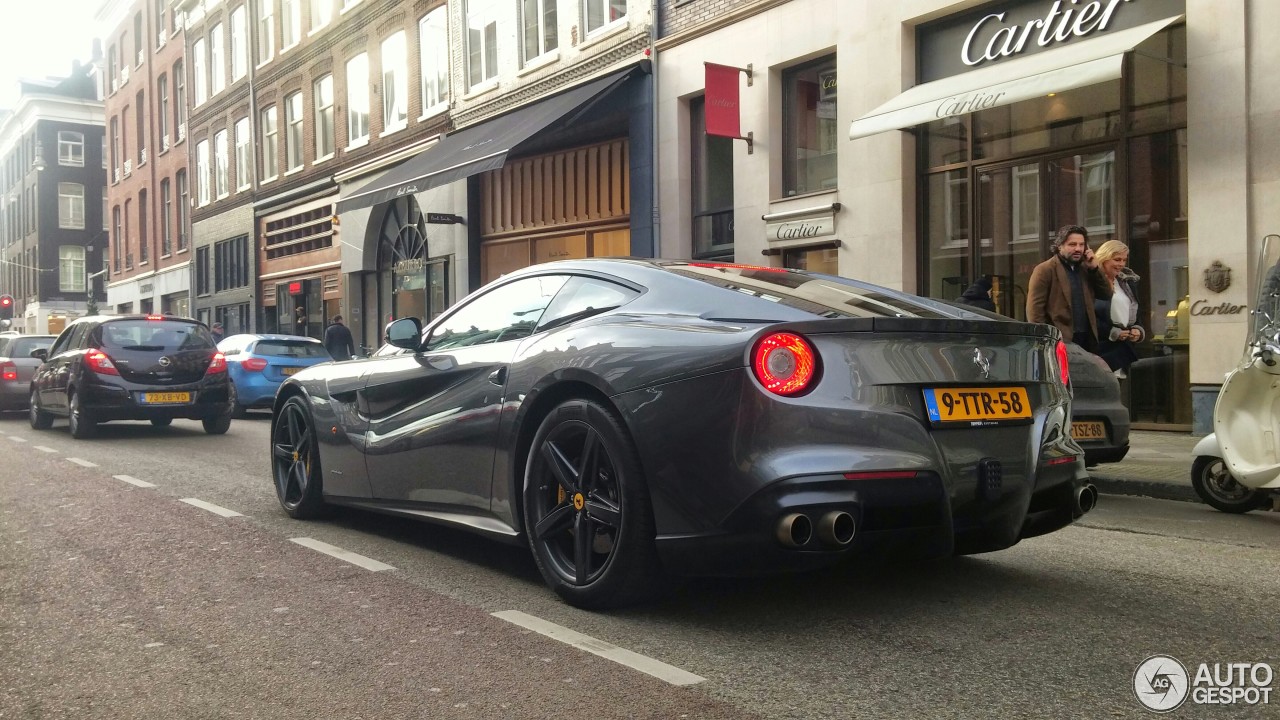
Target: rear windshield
{"type": "Point", "coordinates": [155, 336]}
{"type": "Point", "coordinates": [290, 348]}
{"type": "Point", "coordinates": [22, 347]}
{"type": "Point", "coordinates": [821, 295]}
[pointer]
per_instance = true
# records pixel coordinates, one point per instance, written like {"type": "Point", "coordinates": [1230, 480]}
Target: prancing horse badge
{"type": "Point", "coordinates": [983, 362]}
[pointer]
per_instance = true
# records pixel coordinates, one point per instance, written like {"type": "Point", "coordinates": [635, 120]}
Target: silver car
{"type": "Point", "coordinates": [17, 366]}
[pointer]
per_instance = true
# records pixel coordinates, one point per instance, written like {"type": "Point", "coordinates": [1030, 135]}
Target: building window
{"type": "Point", "coordinates": [113, 73]}
{"type": "Point", "coordinates": [290, 23]}
{"type": "Point", "coordinates": [293, 132]}
{"type": "Point", "coordinates": [482, 41]}
{"type": "Point", "coordinates": [124, 139]}
{"type": "Point", "coordinates": [140, 116]}
{"type": "Point", "coordinates": [161, 37]}
{"type": "Point", "coordinates": [239, 48]}
{"type": "Point", "coordinates": [128, 256]}
{"type": "Point", "coordinates": [70, 148]}
{"type": "Point", "coordinates": [115, 147]}
{"type": "Point", "coordinates": [104, 211]}
{"type": "Point", "coordinates": [320, 10]}
{"type": "Point", "coordinates": [162, 117]}
{"type": "Point", "coordinates": [244, 155]}
{"type": "Point", "coordinates": [537, 28]}
{"type": "Point", "coordinates": [166, 218]}
{"type": "Point", "coordinates": [202, 173]}
{"type": "Point", "coordinates": [599, 13]}
{"type": "Point", "coordinates": [184, 207]}
{"type": "Point", "coordinates": [324, 117]}
{"type": "Point", "coordinates": [433, 41]}
{"type": "Point", "coordinates": [71, 206]}
{"type": "Point", "coordinates": [144, 246]}
{"type": "Point", "coordinates": [199, 77]}
{"type": "Point", "coordinates": [117, 236]}
{"type": "Point", "coordinates": [711, 182]}
{"type": "Point", "coordinates": [71, 268]}
{"type": "Point", "coordinates": [395, 84]}
{"type": "Point", "coordinates": [266, 30]}
{"type": "Point", "coordinates": [138, 46]}
{"type": "Point", "coordinates": [358, 100]}
{"type": "Point", "coordinates": [231, 264]}
{"type": "Point", "coordinates": [217, 60]}
{"type": "Point", "coordinates": [202, 270]}
{"type": "Point", "coordinates": [179, 102]}
{"type": "Point", "coordinates": [221, 169]}
{"type": "Point", "coordinates": [809, 127]}
{"type": "Point", "coordinates": [270, 144]}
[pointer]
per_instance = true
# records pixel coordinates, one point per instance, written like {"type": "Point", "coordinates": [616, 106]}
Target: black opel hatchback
{"type": "Point", "coordinates": [131, 367]}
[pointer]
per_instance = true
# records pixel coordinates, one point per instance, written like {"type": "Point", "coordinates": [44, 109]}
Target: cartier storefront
{"type": "Point", "coordinates": [1044, 114]}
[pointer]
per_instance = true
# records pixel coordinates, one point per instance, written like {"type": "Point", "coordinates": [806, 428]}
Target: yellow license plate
{"type": "Point", "coordinates": [977, 406]}
{"type": "Point", "coordinates": [1088, 431]}
{"type": "Point", "coordinates": [290, 370]}
{"type": "Point", "coordinates": [166, 398]}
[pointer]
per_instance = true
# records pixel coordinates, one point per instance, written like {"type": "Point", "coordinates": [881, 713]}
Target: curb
{"type": "Point", "coordinates": [1145, 488]}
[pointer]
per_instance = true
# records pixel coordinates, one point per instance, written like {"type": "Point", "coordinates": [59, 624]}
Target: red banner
{"type": "Point", "coordinates": [722, 101]}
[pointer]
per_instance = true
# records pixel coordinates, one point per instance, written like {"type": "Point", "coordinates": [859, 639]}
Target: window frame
{"type": "Point", "coordinates": [395, 82]}
{"type": "Point", "coordinates": [358, 97]}
{"type": "Point", "coordinates": [239, 34]}
{"type": "Point", "coordinates": [487, 53]}
{"type": "Point", "coordinates": [270, 133]}
{"type": "Point", "coordinates": [221, 166]}
{"type": "Point", "coordinates": [71, 270]}
{"type": "Point", "coordinates": [266, 30]}
{"type": "Point", "coordinates": [67, 140]}
{"type": "Point", "coordinates": [203, 189]}
{"type": "Point", "coordinates": [541, 30]}
{"type": "Point", "coordinates": [433, 60]}
{"type": "Point", "coordinates": [325, 141]}
{"type": "Point", "coordinates": [217, 60]}
{"type": "Point", "coordinates": [295, 132]}
{"type": "Point", "coordinates": [199, 76]}
{"type": "Point", "coordinates": [605, 24]}
{"type": "Point", "coordinates": [68, 197]}
{"type": "Point", "coordinates": [244, 155]}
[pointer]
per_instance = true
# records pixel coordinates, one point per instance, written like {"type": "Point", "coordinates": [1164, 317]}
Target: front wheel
{"type": "Point", "coordinates": [1213, 483]}
{"type": "Point", "coordinates": [586, 509]}
{"type": "Point", "coordinates": [295, 461]}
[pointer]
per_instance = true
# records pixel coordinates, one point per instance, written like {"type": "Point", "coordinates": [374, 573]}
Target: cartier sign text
{"type": "Point", "coordinates": [1066, 19]}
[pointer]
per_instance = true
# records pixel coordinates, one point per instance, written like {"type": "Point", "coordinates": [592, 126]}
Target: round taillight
{"type": "Point", "coordinates": [1063, 366]}
{"type": "Point", "coordinates": [785, 363]}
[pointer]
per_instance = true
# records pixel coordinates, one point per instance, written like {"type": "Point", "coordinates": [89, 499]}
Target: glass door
{"type": "Point", "coordinates": [1082, 191]}
{"type": "Point", "coordinates": [1010, 233]}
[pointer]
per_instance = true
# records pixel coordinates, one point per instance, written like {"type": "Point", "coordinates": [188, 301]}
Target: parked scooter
{"type": "Point", "coordinates": [1237, 467]}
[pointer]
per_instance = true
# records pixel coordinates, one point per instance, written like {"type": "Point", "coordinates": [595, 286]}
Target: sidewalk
{"type": "Point", "coordinates": [1158, 465]}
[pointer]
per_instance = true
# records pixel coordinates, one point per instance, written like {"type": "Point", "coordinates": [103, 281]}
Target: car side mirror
{"type": "Point", "coordinates": [405, 333]}
{"type": "Point", "coordinates": [41, 354]}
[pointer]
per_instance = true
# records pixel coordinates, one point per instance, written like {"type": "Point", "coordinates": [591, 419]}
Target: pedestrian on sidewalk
{"type": "Point", "coordinates": [217, 333]}
{"type": "Point", "coordinates": [979, 294]}
{"type": "Point", "coordinates": [338, 340]}
{"type": "Point", "coordinates": [1118, 316]}
{"type": "Point", "coordinates": [1062, 289]}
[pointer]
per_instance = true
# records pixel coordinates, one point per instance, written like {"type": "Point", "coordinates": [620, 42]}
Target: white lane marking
{"type": "Point", "coordinates": [622, 656]}
{"type": "Point", "coordinates": [44, 448]}
{"type": "Point", "coordinates": [82, 463]}
{"type": "Point", "coordinates": [215, 509]}
{"type": "Point", "coordinates": [15, 438]}
{"type": "Point", "coordinates": [347, 555]}
{"type": "Point", "coordinates": [133, 481]}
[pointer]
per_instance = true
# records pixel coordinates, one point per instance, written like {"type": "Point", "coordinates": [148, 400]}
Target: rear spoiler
{"type": "Point", "coordinates": [930, 326]}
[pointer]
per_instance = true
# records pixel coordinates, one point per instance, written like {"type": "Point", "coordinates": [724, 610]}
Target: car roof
{"type": "Point", "coordinates": [136, 316]}
{"type": "Point", "coordinates": [270, 336]}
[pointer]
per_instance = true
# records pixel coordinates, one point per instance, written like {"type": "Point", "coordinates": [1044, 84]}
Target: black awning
{"type": "Point", "coordinates": [477, 148]}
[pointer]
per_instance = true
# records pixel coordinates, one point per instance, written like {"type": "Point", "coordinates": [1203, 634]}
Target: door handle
{"type": "Point", "coordinates": [499, 377]}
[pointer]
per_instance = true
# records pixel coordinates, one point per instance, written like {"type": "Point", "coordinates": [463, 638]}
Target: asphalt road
{"type": "Point", "coordinates": [123, 601]}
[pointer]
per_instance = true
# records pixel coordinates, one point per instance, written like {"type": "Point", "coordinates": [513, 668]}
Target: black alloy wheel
{"type": "Point", "coordinates": [1215, 485]}
{"type": "Point", "coordinates": [79, 420]}
{"type": "Point", "coordinates": [40, 420]}
{"type": "Point", "coordinates": [295, 461]}
{"type": "Point", "coordinates": [587, 511]}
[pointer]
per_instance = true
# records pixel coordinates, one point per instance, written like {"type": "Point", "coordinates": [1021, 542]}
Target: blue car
{"type": "Point", "coordinates": [259, 363]}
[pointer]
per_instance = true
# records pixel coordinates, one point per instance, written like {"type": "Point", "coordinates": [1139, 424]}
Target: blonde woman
{"type": "Point", "coordinates": [1117, 317]}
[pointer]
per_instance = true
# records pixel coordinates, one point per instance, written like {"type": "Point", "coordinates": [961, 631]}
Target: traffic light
{"type": "Point", "coordinates": [6, 307]}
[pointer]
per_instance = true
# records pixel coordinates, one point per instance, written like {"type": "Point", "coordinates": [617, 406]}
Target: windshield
{"type": "Point", "coordinates": [155, 336]}
{"type": "Point", "coordinates": [1265, 320]}
{"type": "Point", "coordinates": [290, 348]}
{"type": "Point", "coordinates": [22, 347]}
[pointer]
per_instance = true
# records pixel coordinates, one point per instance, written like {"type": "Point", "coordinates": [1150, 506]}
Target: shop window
{"type": "Point", "coordinates": [711, 182]}
{"type": "Point", "coordinates": [819, 260]}
{"type": "Point", "coordinates": [1158, 81]}
{"type": "Point", "coordinates": [946, 141]}
{"type": "Point", "coordinates": [809, 128]}
{"type": "Point", "coordinates": [1075, 117]}
{"type": "Point", "coordinates": [947, 233]}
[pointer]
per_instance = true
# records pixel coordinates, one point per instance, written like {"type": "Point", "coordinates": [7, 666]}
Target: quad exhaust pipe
{"type": "Point", "coordinates": [1086, 498]}
{"type": "Point", "coordinates": [834, 529]}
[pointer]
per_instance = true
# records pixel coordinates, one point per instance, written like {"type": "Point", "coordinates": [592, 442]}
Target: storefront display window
{"type": "Point", "coordinates": [1074, 117]}
{"type": "Point", "coordinates": [711, 169]}
{"type": "Point", "coordinates": [809, 127]}
{"type": "Point", "coordinates": [1158, 83]}
{"type": "Point", "coordinates": [819, 260]}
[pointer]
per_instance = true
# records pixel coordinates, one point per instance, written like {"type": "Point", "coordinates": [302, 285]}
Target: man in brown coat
{"type": "Point", "coordinates": [1062, 288]}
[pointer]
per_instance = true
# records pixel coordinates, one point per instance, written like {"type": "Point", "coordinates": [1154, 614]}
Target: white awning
{"type": "Point", "coordinates": [1071, 66]}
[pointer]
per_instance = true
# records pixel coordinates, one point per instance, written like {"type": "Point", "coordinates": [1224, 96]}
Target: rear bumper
{"type": "Point", "coordinates": [256, 392]}
{"type": "Point", "coordinates": [120, 401]}
{"type": "Point", "coordinates": [14, 395]}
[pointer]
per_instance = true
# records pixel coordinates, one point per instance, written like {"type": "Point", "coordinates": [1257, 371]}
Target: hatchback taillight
{"type": "Point", "coordinates": [217, 365]}
{"type": "Point", "coordinates": [97, 361]}
{"type": "Point", "coordinates": [8, 371]}
{"type": "Point", "coordinates": [254, 364]}
{"type": "Point", "coordinates": [1063, 367]}
{"type": "Point", "coordinates": [785, 363]}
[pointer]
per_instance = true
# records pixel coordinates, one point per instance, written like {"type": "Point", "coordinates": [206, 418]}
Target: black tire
{"type": "Point", "coordinates": [162, 422]}
{"type": "Point", "coordinates": [1214, 484]}
{"type": "Point", "coordinates": [295, 461]}
{"type": "Point", "coordinates": [237, 410]}
{"type": "Point", "coordinates": [583, 472]}
{"type": "Point", "coordinates": [40, 420]}
{"type": "Point", "coordinates": [80, 421]}
{"type": "Point", "coordinates": [218, 424]}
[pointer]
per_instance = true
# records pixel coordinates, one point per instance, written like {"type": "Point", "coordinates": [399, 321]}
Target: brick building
{"type": "Point", "coordinates": [144, 85]}
{"type": "Point", "coordinates": [52, 236]}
